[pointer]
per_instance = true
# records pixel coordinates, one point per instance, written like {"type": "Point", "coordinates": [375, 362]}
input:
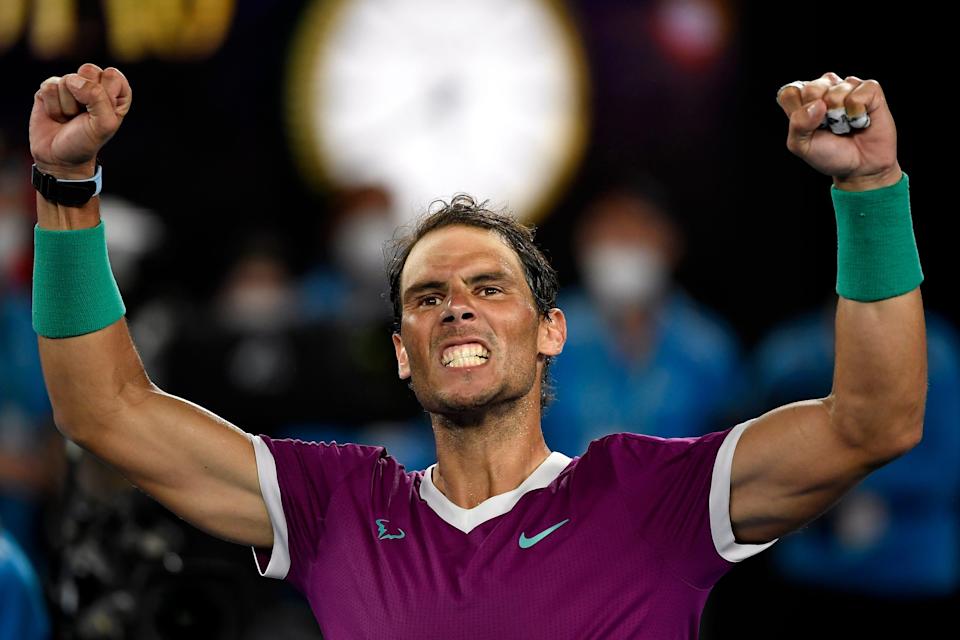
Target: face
{"type": "Point", "coordinates": [626, 252]}
{"type": "Point", "coordinates": [623, 221]}
{"type": "Point", "coordinates": [470, 335]}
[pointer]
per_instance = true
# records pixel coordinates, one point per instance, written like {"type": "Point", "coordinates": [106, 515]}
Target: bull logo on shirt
{"type": "Point", "coordinates": [382, 531]}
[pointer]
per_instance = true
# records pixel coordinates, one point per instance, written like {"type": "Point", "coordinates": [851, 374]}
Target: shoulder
{"type": "Point", "coordinates": [332, 460]}
{"type": "Point", "coordinates": [639, 443]}
{"type": "Point", "coordinates": [646, 454]}
{"type": "Point", "coordinates": [332, 448]}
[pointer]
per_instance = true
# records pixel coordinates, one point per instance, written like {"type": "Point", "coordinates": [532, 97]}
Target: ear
{"type": "Point", "coordinates": [552, 333]}
{"type": "Point", "coordinates": [403, 363]}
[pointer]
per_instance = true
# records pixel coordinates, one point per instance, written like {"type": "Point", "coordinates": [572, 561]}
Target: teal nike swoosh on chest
{"type": "Point", "coordinates": [526, 543]}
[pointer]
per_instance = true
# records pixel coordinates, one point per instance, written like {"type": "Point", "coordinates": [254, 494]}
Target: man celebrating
{"type": "Point", "coordinates": [501, 537]}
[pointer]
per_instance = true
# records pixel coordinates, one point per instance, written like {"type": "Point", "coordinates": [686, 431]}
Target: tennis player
{"type": "Point", "coordinates": [501, 538]}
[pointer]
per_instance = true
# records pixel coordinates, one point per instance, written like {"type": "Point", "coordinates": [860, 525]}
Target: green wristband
{"type": "Point", "coordinates": [877, 254]}
{"type": "Point", "coordinates": [74, 291]}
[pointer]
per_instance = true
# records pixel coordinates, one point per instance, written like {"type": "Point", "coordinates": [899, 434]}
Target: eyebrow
{"type": "Point", "coordinates": [435, 285]}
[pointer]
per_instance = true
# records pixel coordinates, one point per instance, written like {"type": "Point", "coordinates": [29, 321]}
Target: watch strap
{"type": "Point", "coordinates": [71, 193]}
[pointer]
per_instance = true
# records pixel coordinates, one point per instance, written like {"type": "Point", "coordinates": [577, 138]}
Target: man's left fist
{"type": "Point", "coordinates": [866, 158]}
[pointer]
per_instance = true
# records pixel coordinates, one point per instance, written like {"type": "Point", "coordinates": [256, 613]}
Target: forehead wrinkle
{"type": "Point", "coordinates": [476, 273]}
{"type": "Point", "coordinates": [443, 258]}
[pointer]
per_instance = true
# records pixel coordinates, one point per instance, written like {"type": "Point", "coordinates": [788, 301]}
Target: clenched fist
{"type": "Point", "coordinates": [74, 116]}
{"type": "Point", "coordinates": [866, 157]}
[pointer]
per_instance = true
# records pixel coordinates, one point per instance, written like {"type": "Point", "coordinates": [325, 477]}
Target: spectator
{"type": "Point", "coordinates": [642, 354]}
{"type": "Point", "coordinates": [31, 451]}
{"type": "Point", "coordinates": [23, 615]}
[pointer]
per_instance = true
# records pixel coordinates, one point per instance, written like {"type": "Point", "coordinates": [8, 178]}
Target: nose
{"type": "Point", "coordinates": [458, 309]}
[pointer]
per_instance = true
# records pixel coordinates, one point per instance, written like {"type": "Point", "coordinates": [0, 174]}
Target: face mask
{"type": "Point", "coordinates": [622, 276]}
{"type": "Point", "coordinates": [258, 308]}
{"type": "Point", "coordinates": [358, 245]}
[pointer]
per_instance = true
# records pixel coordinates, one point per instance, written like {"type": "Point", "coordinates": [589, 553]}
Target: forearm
{"type": "Point", "coordinates": [90, 376]}
{"type": "Point", "coordinates": [198, 465]}
{"type": "Point", "coordinates": [880, 372]}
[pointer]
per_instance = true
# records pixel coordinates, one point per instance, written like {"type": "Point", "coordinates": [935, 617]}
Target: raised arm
{"type": "Point", "coordinates": [198, 465]}
{"type": "Point", "coordinates": [795, 461]}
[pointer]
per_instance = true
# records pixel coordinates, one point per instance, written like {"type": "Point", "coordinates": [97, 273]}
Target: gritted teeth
{"type": "Point", "coordinates": [470, 361]}
{"type": "Point", "coordinates": [464, 355]}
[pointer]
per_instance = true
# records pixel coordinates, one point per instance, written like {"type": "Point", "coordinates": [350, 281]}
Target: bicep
{"type": "Point", "coordinates": [195, 463]}
{"type": "Point", "coordinates": [790, 466]}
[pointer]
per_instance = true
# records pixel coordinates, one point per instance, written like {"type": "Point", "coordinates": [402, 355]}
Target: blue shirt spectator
{"type": "Point", "coordinates": [25, 419]}
{"type": "Point", "coordinates": [641, 354]}
{"type": "Point", "coordinates": [23, 615]}
{"type": "Point", "coordinates": [690, 378]}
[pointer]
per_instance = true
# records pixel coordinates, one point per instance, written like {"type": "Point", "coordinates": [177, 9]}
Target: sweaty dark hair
{"type": "Point", "coordinates": [464, 210]}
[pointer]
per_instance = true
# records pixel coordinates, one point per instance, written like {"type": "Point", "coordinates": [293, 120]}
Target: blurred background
{"type": "Point", "coordinates": [273, 147]}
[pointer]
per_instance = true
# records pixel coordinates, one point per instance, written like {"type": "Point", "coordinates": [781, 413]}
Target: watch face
{"type": "Point", "coordinates": [433, 97]}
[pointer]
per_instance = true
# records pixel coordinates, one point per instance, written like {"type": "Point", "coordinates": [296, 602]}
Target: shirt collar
{"type": "Point", "coordinates": [467, 519]}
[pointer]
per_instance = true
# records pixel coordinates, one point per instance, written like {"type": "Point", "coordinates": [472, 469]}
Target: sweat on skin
{"type": "Point", "coordinates": [464, 292]}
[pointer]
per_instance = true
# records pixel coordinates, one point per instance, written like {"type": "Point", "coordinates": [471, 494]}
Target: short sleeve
{"type": "Point", "coordinates": [297, 480]}
{"type": "Point", "coordinates": [679, 491]}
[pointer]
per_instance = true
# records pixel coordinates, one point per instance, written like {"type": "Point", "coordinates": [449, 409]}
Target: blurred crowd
{"type": "Point", "coordinates": [305, 353]}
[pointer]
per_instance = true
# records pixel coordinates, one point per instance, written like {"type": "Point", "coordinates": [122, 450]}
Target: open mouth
{"type": "Point", "coordinates": [464, 355]}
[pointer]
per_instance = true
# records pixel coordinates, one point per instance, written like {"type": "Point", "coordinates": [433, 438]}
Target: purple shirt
{"type": "Point", "coordinates": [624, 541]}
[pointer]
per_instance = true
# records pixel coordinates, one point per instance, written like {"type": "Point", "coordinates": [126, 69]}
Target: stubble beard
{"type": "Point", "coordinates": [471, 409]}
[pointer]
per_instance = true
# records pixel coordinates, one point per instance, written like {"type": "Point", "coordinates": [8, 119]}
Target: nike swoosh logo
{"type": "Point", "coordinates": [526, 543]}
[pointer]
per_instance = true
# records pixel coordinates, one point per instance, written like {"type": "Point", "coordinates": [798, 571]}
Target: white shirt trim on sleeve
{"type": "Point", "coordinates": [721, 527]}
{"type": "Point", "coordinates": [279, 563]}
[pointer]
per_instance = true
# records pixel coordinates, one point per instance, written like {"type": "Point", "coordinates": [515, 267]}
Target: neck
{"type": "Point", "coordinates": [483, 454]}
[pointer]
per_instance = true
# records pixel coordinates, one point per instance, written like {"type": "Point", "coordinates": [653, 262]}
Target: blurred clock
{"type": "Point", "coordinates": [433, 97]}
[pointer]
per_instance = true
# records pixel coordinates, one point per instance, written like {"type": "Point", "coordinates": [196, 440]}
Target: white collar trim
{"type": "Point", "coordinates": [467, 519]}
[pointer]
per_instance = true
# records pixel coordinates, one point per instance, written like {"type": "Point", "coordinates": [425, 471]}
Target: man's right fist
{"type": "Point", "coordinates": [74, 116]}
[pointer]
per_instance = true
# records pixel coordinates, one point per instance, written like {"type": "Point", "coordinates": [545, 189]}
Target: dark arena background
{"type": "Point", "coordinates": [273, 146]}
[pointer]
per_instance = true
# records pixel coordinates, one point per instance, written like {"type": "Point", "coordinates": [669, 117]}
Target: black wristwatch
{"type": "Point", "coordinates": [70, 193]}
